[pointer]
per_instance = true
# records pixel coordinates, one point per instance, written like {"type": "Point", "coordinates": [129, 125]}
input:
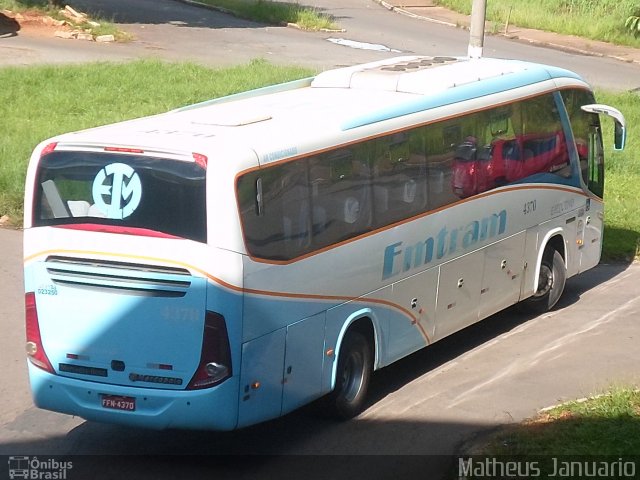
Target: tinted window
{"type": "Point", "coordinates": [588, 138]}
{"type": "Point", "coordinates": [158, 194]}
{"type": "Point", "coordinates": [295, 208]}
{"type": "Point", "coordinates": [399, 177]}
{"type": "Point", "coordinates": [275, 208]}
{"type": "Point", "coordinates": [509, 144]}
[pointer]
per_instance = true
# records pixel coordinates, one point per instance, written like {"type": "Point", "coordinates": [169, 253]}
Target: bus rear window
{"type": "Point", "coordinates": [162, 195]}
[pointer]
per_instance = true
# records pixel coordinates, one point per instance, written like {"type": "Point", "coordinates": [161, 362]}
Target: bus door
{"type": "Point", "coordinates": [593, 221]}
{"type": "Point", "coordinates": [594, 176]}
{"type": "Point", "coordinates": [588, 141]}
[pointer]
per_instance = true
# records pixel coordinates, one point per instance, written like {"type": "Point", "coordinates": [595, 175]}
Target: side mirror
{"type": "Point", "coordinates": [620, 133]}
{"type": "Point", "coordinates": [619, 136]}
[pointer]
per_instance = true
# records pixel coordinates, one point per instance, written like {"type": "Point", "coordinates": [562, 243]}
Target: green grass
{"type": "Point", "coordinates": [622, 202]}
{"type": "Point", "coordinates": [590, 438]}
{"type": "Point", "coordinates": [594, 19]}
{"type": "Point", "coordinates": [607, 424]}
{"type": "Point", "coordinates": [277, 13]}
{"type": "Point", "coordinates": [39, 102]}
{"type": "Point", "coordinates": [44, 8]}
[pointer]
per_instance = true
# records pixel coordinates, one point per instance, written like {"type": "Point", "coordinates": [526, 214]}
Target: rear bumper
{"type": "Point", "coordinates": [213, 408]}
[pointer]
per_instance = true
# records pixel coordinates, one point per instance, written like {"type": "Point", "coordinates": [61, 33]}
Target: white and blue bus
{"type": "Point", "coordinates": [228, 262]}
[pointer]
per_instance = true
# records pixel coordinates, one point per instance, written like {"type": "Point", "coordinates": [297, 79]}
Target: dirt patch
{"type": "Point", "coordinates": [30, 22]}
{"type": "Point", "coordinates": [73, 25]}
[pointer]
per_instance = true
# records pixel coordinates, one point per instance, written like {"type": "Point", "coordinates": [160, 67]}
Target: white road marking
{"type": "Point", "coordinates": [362, 45]}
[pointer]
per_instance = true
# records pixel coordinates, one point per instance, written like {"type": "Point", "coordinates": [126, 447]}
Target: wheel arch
{"type": "Point", "coordinates": [363, 321]}
{"type": "Point", "coordinates": [554, 239]}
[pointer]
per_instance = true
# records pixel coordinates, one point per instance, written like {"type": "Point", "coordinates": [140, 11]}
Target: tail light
{"type": "Point", "coordinates": [215, 357]}
{"type": "Point", "coordinates": [35, 349]}
{"type": "Point", "coordinates": [201, 160]}
{"type": "Point", "coordinates": [48, 149]}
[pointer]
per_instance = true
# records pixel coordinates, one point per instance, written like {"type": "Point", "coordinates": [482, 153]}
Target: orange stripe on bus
{"type": "Point", "coordinates": [304, 296]}
{"type": "Point", "coordinates": [574, 190]}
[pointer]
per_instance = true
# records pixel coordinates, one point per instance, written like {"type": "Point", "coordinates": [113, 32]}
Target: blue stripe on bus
{"type": "Point", "coordinates": [462, 93]}
{"type": "Point", "coordinates": [258, 92]}
{"type": "Point", "coordinates": [551, 178]}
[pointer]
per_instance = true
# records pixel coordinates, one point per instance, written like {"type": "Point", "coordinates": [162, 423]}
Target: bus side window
{"type": "Point", "coordinates": [588, 139]}
{"type": "Point", "coordinates": [296, 209]}
{"type": "Point", "coordinates": [399, 178]}
{"type": "Point", "coordinates": [274, 206]}
{"type": "Point", "coordinates": [534, 143]}
{"type": "Point", "coordinates": [506, 149]}
{"type": "Point", "coordinates": [341, 196]}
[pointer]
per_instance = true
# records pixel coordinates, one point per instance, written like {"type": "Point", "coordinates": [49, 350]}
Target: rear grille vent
{"type": "Point", "coordinates": [112, 264]}
{"type": "Point", "coordinates": [119, 277]}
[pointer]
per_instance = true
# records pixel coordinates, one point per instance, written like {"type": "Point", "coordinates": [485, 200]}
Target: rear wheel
{"type": "Point", "coordinates": [551, 280]}
{"type": "Point", "coordinates": [352, 377]}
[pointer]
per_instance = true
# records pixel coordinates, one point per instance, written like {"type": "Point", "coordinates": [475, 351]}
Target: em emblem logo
{"type": "Point", "coordinates": [117, 190]}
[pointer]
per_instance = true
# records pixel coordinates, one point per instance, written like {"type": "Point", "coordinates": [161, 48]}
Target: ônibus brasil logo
{"type": "Point", "coordinates": [117, 190]}
{"type": "Point", "coordinates": [32, 468]}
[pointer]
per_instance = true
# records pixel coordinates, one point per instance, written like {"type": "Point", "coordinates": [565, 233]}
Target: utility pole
{"type": "Point", "coordinates": [476, 35]}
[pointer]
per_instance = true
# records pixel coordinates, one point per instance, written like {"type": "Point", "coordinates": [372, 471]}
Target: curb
{"type": "Point", "coordinates": [566, 48]}
{"type": "Point", "coordinates": [556, 46]}
{"type": "Point", "coordinates": [407, 13]}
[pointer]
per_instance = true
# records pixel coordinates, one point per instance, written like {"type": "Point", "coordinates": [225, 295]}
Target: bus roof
{"type": "Point", "coordinates": [273, 118]}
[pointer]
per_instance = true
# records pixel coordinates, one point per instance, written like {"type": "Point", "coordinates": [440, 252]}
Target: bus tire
{"type": "Point", "coordinates": [551, 280]}
{"type": "Point", "coordinates": [352, 377]}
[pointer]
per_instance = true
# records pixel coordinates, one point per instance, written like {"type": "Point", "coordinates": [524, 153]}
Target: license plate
{"type": "Point", "coordinates": [116, 402]}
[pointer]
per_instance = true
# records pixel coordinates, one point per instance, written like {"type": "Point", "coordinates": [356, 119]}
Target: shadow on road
{"type": "Point", "coordinates": [210, 463]}
{"type": "Point", "coordinates": [214, 465]}
{"type": "Point", "coordinates": [148, 12]}
{"type": "Point", "coordinates": [414, 366]}
{"type": "Point", "coordinates": [362, 448]}
{"type": "Point", "coordinates": [8, 26]}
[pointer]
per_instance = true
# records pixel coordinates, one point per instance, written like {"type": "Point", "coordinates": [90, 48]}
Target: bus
{"type": "Point", "coordinates": [225, 263]}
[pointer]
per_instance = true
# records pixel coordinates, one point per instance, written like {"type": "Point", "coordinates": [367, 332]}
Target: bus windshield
{"type": "Point", "coordinates": [122, 191]}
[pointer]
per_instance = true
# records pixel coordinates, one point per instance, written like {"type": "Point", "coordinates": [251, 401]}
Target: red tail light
{"type": "Point", "coordinates": [48, 149]}
{"type": "Point", "coordinates": [35, 350]}
{"type": "Point", "coordinates": [201, 160]}
{"type": "Point", "coordinates": [215, 356]}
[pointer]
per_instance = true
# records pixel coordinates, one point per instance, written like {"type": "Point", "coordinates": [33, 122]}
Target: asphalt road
{"type": "Point", "coordinates": [173, 30]}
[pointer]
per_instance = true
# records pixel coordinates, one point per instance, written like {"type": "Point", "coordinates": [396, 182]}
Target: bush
{"type": "Point", "coordinates": [633, 24]}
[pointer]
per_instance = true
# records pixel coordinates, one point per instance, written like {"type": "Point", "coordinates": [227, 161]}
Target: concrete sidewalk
{"type": "Point", "coordinates": [428, 11]}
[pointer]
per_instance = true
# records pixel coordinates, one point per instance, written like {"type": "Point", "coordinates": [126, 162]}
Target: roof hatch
{"type": "Point", "coordinates": [418, 75]}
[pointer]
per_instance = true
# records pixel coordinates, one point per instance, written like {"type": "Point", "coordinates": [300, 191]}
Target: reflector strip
{"type": "Point", "coordinates": [123, 150]}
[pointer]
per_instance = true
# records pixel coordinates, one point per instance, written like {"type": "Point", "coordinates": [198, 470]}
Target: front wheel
{"type": "Point", "coordinates": [551, 280]}
{"type": "Point", "coordinates": [352, 377]}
